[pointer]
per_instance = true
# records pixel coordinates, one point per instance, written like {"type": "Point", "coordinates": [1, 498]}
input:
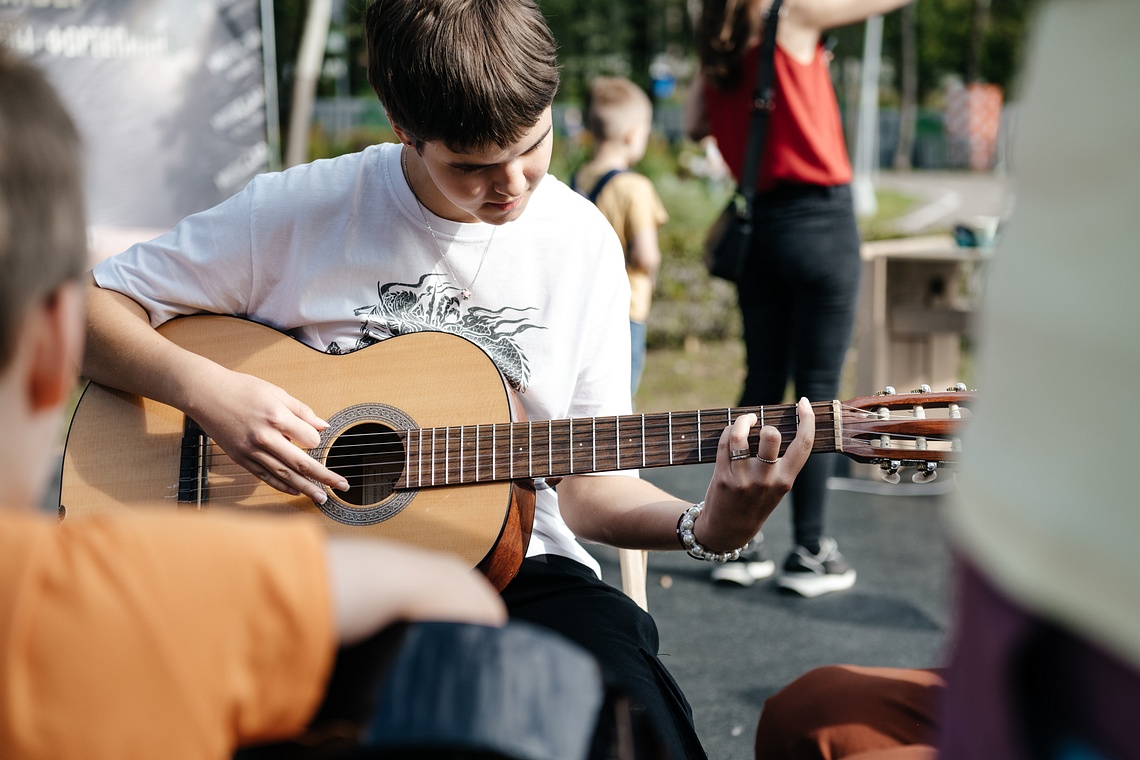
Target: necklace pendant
{"type": "Point", "coordinates": [466, 294]}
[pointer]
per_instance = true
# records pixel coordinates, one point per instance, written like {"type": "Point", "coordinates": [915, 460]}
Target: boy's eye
{"type": "Point", "coordinates": [468, 169]}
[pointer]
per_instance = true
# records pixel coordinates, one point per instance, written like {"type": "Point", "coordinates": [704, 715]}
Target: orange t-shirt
{"type": "Point", "coordinates": [804, 141]}
{"type": "Point", "coordinates": [159, 636]}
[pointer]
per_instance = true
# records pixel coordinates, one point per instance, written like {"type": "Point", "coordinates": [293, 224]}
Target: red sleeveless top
{"type": "Point", "coordinates": [805, 137]}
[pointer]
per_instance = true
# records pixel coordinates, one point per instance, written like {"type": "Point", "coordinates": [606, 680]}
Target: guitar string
{"type": "Point", "coordinates": [240, 482]}
{"type": "Point", "coordinates": [384, 473]}
{"type": "Point", "coordinates": [388, 476]}
{"type": "Point", "coordinates": [468, 450]}
{"type": "Point", "coordinates": [561, 435]}
{"type": "Point", "coordinates": [655, 423]}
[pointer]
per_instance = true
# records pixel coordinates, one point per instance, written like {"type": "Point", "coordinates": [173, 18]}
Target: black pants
{"type": "Point", "coordinates": [798, 301]}
{"type": "Point", "coordinates": [565, 596]}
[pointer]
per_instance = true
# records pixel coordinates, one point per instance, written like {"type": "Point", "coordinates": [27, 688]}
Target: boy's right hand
{"type": "Point", "coordinates": [266, 431]}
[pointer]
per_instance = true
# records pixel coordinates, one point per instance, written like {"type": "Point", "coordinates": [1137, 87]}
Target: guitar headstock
{"type": "Point", "coordinates": [895, 430]}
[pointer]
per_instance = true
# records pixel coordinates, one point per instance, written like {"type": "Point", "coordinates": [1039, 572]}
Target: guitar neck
{"type": "Point", "coordinates": [511, 451]}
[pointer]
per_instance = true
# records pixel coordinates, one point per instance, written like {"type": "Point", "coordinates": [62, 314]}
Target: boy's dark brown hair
{"type": "Point", "coordinates": [469, 73]}
{"type": "Point", "coordinates": [614, 106]}
{"type": "Point", "coordinates": [43, 231]}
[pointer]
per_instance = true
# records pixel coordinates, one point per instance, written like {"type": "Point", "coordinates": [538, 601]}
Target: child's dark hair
{"type": "Point", "coordinates": [469, 73]}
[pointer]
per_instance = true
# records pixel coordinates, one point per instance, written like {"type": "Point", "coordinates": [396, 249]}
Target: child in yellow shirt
{"type": "Point", "coordinates": [620, 116]}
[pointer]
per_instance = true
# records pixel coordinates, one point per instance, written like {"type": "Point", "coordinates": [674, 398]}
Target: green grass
{"type": "Point", "coordinates": [891, 205]}
{"type": "Point", "coordinates": [699, 376]}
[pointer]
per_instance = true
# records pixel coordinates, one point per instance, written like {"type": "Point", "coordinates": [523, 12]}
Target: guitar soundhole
{"type": "Point", "coordinates": [371, 458]}
{"type": "Point", "coordinates": [361, 444]}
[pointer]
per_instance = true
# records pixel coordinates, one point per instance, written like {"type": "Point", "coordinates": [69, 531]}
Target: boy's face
{"type": "Point", "coordinates": [491, 185]}
{"type": "Point", "coordinates": [639, 140]}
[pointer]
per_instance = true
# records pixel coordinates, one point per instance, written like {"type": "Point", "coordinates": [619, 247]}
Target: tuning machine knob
{"type": "Point", "coordinates": [924, 388]}
{"type": "Point", "coordinates": [958, 388]}
{"type": "Point", "coordinates": [889, 471]}
{"type": "Point", "coordinates": [888, 390]}
{"type": "Point", "coordinates": [925, 472]}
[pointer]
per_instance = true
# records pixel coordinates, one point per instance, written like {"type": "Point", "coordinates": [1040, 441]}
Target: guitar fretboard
{"type": "Point", "coordinates": [511, 451]}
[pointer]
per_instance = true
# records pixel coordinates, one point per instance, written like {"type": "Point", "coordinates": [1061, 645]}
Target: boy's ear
{"type": "Point", "coordinates": [55, 329]}
{"type": "Point", "coordinates": [401, 133]}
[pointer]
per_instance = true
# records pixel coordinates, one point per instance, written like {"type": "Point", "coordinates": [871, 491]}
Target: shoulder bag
{"type": "Point", "coordinates": [730, 237]}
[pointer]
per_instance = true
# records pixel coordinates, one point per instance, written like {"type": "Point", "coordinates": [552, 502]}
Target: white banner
{"type": "Point", "coordinates": [169, 96]}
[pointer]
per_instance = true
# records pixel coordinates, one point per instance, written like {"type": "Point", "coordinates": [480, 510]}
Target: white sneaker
{"type": "Point", "coordinates": [752, 566]}
{"type": "Point", "coordinates": [811, 575]}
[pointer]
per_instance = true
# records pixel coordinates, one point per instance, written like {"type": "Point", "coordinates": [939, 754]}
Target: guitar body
{"type": "Point", "coordinates": [124, 452]}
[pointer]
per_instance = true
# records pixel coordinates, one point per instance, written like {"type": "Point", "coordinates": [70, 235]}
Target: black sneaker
{"type": "Point", "coordinates": [814, 574]}
{"type": "Point", "coordinates": [753, 565]}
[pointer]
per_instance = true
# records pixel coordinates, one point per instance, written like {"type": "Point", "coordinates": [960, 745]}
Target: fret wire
{"type": "Point", "coordinates": [511, 443]}
{"type": "Point", "coordinates": [530, 449]}
{"type": "Point", "coordinates": [594, 442]}
{"type": "Point", "coordinates": [446, 455]}
{"type": "Point", "coordinates": [407, 455]}
{"type": "Point", "coordinates": [643, 447]}
{"type": "Point", "coordinates": [699, 444]}
{"type": "Point", "coordinates": [617, 440]}
{"type": "Point", "coordinates": [433, 456]}
{"type": "Point", "coordinates": [478, 441]}
{"type": "Point", "coordinates": [549, 445]}
{"type": "Point", "coordinates": [571, 447]}
{"type": "Point", "coordinates": [494, 451]}
{"type": "Point", "coordinates": [700, 439]}
{"type": "Point", "coordinates": [420, 460]}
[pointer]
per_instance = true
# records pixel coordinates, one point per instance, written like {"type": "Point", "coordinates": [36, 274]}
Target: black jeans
{"type": "Point", "coordinates": [565, 596]}
{"type": "Point", "coordinates": [797, 300]}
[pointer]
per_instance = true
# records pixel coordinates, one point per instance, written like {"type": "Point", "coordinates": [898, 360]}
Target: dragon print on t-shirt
{"type": "Point", "coordinates": [433, 304]}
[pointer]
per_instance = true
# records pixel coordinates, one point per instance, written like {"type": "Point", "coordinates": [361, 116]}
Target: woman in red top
{"type": "Point", "coordinates": [798, 293]}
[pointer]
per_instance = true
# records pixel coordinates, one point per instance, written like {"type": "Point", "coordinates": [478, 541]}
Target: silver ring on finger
{"type": "Point", "coordinates": [767, 461]}
{"type": "Point", "coordinates": [736, 454]}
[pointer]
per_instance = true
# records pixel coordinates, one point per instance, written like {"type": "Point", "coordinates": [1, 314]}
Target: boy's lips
{"type": "Point", "coordinates": [508, 205]}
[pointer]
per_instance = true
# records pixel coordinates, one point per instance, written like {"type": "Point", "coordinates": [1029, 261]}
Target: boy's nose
{"type": "Point", "coordinates": [511, 182]}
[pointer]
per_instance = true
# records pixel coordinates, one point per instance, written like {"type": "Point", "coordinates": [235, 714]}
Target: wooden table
{"type": "Point", "coordinates": [916, 305]}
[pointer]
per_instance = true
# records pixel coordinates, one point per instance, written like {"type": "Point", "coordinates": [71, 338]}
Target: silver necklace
{"type": "Point", "coordinates": [464, 291]}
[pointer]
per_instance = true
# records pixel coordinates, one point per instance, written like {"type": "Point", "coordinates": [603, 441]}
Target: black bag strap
{"type": "Point", "coordinates": [761, 106]}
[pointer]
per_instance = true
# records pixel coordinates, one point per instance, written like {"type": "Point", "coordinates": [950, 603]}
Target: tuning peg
{"type": "Point", "coordinates": [888, 390]}
{"type": "Point", "coordinates": [925, 472]}
{"type": "Point", "coordinates": [958, 388]}
{"type": "Point", "coordinates": [924, 388]}
{"type": "Point", "coordinates": [889, 471]}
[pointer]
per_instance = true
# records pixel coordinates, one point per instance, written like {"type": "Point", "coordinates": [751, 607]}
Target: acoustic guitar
{"type": "Point", "coordinates": [433, 444]}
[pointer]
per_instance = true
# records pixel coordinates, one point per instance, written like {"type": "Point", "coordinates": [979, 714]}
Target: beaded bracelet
{"type": "Point", "coordinates": [690, 544]}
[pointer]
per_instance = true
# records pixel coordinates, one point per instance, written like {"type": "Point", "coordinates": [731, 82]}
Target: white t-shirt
{"type": "Point", "coordinates": [336, 254]}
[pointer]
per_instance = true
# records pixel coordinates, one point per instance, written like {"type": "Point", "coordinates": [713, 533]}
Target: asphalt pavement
{"type": "Point", "coordinates": [730, 648]}
{"type": "Point", "coordinates": [948, 198]}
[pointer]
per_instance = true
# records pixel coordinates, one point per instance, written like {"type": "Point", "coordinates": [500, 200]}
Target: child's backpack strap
{"type": "Point", "coordinates": [592, 196]}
